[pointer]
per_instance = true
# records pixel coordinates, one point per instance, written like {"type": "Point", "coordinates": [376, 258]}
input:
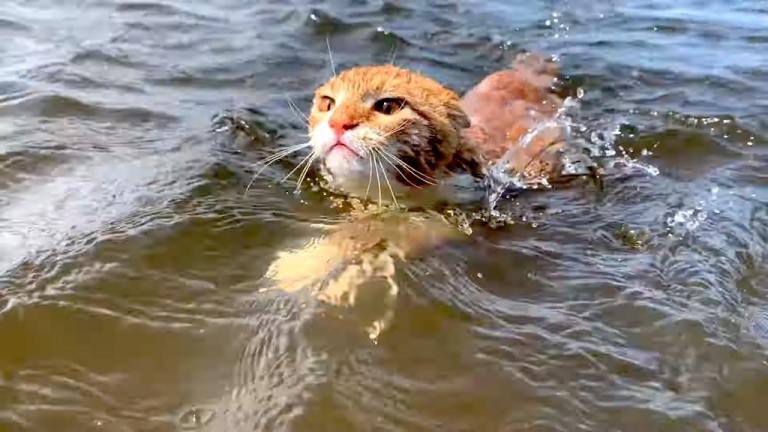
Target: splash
{"type": "Point", "coordinates": [590, 149]}
{"type": "Point", "coordinates": [501, 180]}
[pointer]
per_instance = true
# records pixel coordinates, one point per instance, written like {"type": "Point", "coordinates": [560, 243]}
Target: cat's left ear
{"type": "Point", "coordinates": [457, 117]}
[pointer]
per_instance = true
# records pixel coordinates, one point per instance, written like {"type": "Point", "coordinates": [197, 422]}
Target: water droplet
{"type": "Point", "coordinates": [195, 418]}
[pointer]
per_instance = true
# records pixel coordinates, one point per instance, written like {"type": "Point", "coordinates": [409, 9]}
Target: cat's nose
{"type": "Point", "coordinates": [341, 125]}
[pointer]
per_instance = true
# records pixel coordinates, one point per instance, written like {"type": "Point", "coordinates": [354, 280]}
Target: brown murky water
{"type": "Point", "coordinates": [133, 294]}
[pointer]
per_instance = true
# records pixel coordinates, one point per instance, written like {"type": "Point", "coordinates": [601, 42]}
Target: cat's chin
{"type": "Point", "coordinates": [342, 162]}
{"type": "Point", "coordinates": [347, 172]}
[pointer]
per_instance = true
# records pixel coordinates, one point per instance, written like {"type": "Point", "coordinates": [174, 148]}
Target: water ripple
{"type": "Point", "coordinates": [133, 293]}
{"type": "Point", "coordinates": [57, 106]}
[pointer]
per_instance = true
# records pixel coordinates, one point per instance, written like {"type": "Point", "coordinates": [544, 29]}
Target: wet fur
{"type": "Point", "coordinates": [441, 135]}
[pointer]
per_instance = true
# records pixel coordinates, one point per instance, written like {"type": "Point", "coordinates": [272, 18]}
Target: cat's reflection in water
{"type": "Point", "coordinates": [367, 247]}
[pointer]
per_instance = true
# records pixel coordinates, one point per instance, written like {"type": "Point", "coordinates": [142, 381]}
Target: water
{"type": "Point", "coordinates": [133, 293]}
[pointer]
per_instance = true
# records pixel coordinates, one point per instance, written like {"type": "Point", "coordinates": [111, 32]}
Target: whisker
{"type": "Point", "coordinates": [378, 181]}
{"type": "Point", "coordinates": [272, 159]}
{"type": "Point", "coordinates": [421, 176]}
{"type": "Point", "coordinates": [297, 166]}
{"type": "Point", "coordinates": [370, 172]}
{"type": "Point", "coordinates": [330, 54]}
{"type": "Point", "coordinates": [284, 151]}
{"type": "Point", "coordinates": [305, 171]}
{"type": "Point", "coordinates": [295, 110]}
{"type": "Point", "coordinates": [394, 53]}
{"type": "Point", "coordinates": [418, 174]}
{"type": "Point", "coordinates": [401, 127]}
{"type": "Point", "coordinates": [386, 178]}
{"type": "Point", "coordinates": [400, 172]}
{"type": "Point", "coordinates": [408, 168]}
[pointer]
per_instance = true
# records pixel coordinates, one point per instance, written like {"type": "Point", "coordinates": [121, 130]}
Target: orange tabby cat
{"type": "Point", "coordinates": [383, 127]}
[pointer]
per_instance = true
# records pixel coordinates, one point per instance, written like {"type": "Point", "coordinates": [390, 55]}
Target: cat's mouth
{"type": "Point", "coordinates": [343, 148]}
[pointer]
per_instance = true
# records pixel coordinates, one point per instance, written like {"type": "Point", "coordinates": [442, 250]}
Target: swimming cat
{"type": "Point", "coordinates": [411, 140]}
{"type": "Point", "coordinates": [384, 127]}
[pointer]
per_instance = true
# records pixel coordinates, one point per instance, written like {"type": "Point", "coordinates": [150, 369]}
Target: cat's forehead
{"type": "Point", "coordinates": [380, 80]}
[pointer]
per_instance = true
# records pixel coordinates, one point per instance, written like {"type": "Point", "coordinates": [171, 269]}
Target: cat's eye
{"type": "Point", "coordinates": [325, 103]}
{"type": "Point", "coordinates": [389, 106]}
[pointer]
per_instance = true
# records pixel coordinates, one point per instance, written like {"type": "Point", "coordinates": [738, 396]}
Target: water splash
{"type": "Point", "coordinates": [501, 180]}
{"type": "Point", "coordinates": [686, 219]}
{"type": "Point", "coordinates": [590, 148]}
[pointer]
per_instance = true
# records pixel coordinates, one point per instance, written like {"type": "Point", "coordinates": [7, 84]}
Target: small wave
{"type": "Point", "coordinates": [13, 26]}
{"type": "Point", "coordinates": [388, 40]}
{"type": "Point", "coordinates": [189, 79]}
{"type": "Point", "coordinates": [58, 106]}
{"type": "Point", "coordinates": [60, 73]}
{"type": "Point", "coordinates": [276, 369]}
{"type": "Point", "coordinates": [11, 91]}
{"type": "Point", "coordinates": [153, 10]}
{"type": "Point", "coordinates": [757, 324]}
{"type": "Point", "coordinates": [391, 8]}
{"type": "Point", "coordinates": [18, 166]}
{"type": "Point", "coordinates": [102, 57]}
{"type": "Point", "coordinates": [47, 388]}
{"type": "Point", "coordinates": [324, 23]}
{"type": "Point", "coordinates": [757, 39]}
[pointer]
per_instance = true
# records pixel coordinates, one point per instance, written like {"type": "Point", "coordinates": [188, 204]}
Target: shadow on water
{"type": "Point", "coordinates": [135, 275]}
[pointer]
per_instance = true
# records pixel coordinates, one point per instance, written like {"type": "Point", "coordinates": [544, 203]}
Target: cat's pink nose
{"type": "Point", "coordinates": [341, 125]}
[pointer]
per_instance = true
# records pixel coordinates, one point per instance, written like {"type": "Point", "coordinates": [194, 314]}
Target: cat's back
{"type": "Point", "coordinates": [506, 105]}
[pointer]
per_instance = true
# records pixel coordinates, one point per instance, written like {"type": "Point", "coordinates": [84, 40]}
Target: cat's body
{"type": "Point", "coordinates": [385, 130]}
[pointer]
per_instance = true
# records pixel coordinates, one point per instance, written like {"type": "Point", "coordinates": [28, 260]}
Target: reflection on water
{"type": "Point", "coordinates": [137, 281]}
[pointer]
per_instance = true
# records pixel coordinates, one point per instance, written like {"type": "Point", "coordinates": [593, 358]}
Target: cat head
{"type": "Point", "coordinates": [376, 124]}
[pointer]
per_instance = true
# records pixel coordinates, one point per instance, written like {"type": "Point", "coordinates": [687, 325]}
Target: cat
{"type": "Point", "coordinates": [411, 140]}
{"type": "Point", "coordinates": [384, 127]}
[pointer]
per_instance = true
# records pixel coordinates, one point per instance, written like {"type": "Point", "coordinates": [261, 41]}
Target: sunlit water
{"type": "Point", "coordinates": [134, 286]}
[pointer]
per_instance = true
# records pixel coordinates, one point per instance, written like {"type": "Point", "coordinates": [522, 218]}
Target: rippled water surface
{"type": "Point", "coordinates": [133, 294]}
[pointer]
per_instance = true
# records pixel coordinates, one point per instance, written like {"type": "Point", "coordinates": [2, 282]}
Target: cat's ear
{"type": "Point", "coordinates": [457, 117]}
